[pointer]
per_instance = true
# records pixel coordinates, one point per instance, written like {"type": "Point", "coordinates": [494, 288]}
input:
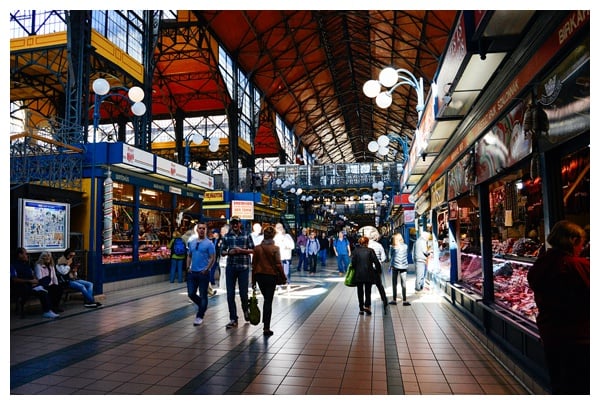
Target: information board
{"type": "Point", "coordinates": [43, 225]}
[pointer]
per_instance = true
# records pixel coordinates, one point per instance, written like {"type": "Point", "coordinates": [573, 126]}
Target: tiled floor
{"type": "Point", "coordinates": [142, 341]}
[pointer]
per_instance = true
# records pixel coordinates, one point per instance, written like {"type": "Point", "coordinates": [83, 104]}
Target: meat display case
{"type": "Point", "coordinates": [511, 289]}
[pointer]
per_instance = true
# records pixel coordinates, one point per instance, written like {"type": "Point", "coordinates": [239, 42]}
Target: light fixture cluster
{"type": "Point", "coordinates": [213, 141]}
{"type": "Point", "coordinates": [380, 146]}
{"type": "Point", "coordinates": [378, 195]}
{"type": "Point", "coordinates": [289, 183]}
{"type": "Point", "coordinates": [135, 94]}
{"type": "Point", "coordinates": [390, 78]}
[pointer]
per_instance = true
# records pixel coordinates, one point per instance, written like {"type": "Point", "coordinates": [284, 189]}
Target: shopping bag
{"type": "Point", "coordinates": [349, 280]}
{"type": "Point", "coordinates": [253, 309]}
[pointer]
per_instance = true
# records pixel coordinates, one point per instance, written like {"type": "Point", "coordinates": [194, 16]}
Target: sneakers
{"type": "Point", "coordinates": [197, 321]}
{"type": "Point", "coordinates": [393, 303]}
{"type": "Point", "coordinates": [268, 332]}
{"type": "Point", "coordinates": [232, 324]}
{"type": "Point", "coordinates": [406, 303]}
{"type": "Point", "coordinates": [90, 305]}
{"type": "Point", "coordinates": [50, 315]}
{"type": "Point", "coordinates": [211, 291]}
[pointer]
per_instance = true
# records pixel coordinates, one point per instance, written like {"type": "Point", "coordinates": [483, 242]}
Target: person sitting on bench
{"type": "Point", "coordinates": [25, 283]}
{"type": "Point", "coordinates": [67, 273]}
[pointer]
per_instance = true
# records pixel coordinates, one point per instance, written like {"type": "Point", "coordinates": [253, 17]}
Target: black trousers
{"type": "Point", "coordinates": [379, 285]}
{"type": "Point", "coordinates": [266, 283]}
{"type": "Point", "coordinates": [395, 274]}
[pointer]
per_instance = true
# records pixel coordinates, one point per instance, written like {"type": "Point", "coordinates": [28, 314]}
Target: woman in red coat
{"type": "Point", "coordinates": [560, 280]}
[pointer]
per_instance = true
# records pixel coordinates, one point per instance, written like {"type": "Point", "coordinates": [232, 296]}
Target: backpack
{"type": "Point", "coordinates": [179, 247]}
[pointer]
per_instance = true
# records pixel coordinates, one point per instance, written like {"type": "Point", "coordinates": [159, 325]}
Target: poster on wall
{"type": "Point", "coordinates": [43, 225]}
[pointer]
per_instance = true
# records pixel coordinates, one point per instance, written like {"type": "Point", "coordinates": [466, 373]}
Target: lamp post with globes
{"type": "Point", "coordinates": [195, 137]}
{"type": "Point", "coordinates": [103, 91]}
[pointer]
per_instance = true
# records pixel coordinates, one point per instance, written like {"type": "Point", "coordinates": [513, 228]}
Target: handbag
{"type": "Point", "coordinates": [280, 278]}
{"type": "Point", "coordinates": [253, 309]}
{"type": "Point", "coordinates": [349, 280]}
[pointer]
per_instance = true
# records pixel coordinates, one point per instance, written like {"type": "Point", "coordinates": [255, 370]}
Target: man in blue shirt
{"type": "Point", "coordinates": [237, 246]}
{"type": "Point", "coordinates": [341, 247]}
{"type": "Point", "coordinates": [201, 256]}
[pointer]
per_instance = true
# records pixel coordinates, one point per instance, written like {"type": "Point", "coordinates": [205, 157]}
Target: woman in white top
{"type": "Point", "coordinates": [399, 266]}
{"type": "Point", "coordinates": [286, 246]}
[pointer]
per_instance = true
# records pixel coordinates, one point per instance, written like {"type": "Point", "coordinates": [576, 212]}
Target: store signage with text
{"type": "Point", "coordinates": [242, 209]}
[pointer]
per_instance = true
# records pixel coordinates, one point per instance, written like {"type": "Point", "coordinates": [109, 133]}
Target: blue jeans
{"type": "Point", "coordinates": [84, 287]}
{"type": "Point", "coordinates": [302, 261]}
{"type": "Point", "coordinates": [342, 262]}
{"type": "Point", "coordinates": [323, 256]}
{"type": "Point", "coordinates": [198, 282]}
{"type": "Point", "coordinates": [241, 277]}
{"type": "Point", "coordinates": [176, 265]}
{"type": "Point", "coordinates": [213, 271]}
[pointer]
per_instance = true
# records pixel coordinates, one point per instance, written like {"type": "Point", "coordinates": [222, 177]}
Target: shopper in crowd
{"type": "Point", "coordinates": [194, 235]}
{"type": "Point", "coordinates": [67, 273]}
{"type": "Point", "coordinates": [237, 246]}
{"type": "Point", "coordinates": [266, 262]}
{"type": "Point", "coordinates": [366, 269]}
{"type": "Point", "coordinates": [222, 259]}
{"type": "Point", "coordinates": [200, 258]}
{"type": "Point", "coordinates": [257, 235]}
{"type": "Point", "coordinates": [45, 272]}
{"type": "Point", "coordinates": [178, 256]}
{"type": "Point", "coordinates": [301, 242]}
{"type": "Point", "coordinates": [312, 252]}
{"type": "Point", "coordinates": [215, 272]}
{"type": "Point", "coordinates": [341, 248]}
{"type": "Point", "coordinates": [560, 280]}
{"type": "Point", "coordinates": [381, 256]}
{"type": "Point", "coordinates": [420, 255]}
{"type": "Point", "coordinates": [324, 245]}
{"type": "Point", "coordinates": [25, 283]}
{"type": "Point", "coordinates": [376, 246]}
{"type": "Point", "coordinates": [399, 267]}
{"type": "Point", "coordinates": [285, 242]}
